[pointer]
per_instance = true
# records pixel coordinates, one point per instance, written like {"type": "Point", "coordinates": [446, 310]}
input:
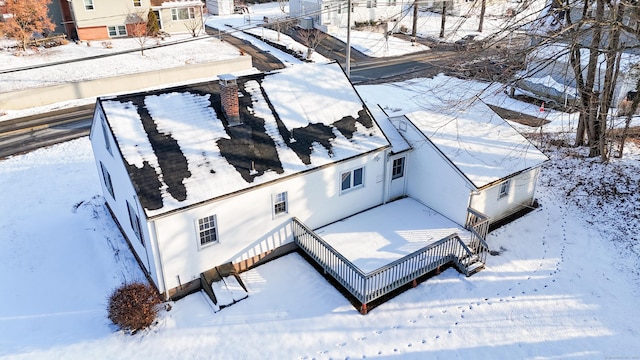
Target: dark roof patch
{"type": "Point", "coordinates": [171, 160]}
{"type": "Point", "coordinates": [147, 185]}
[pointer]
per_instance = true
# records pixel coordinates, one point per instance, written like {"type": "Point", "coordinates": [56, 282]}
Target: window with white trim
{"type": "Point", "coordinates": [137, 3]}
{"type": "Point", "coordinates": [88, 5]}
{"type": "Point", "coordinates": [352, 179]}
{"type": "Point", "coordinates": [504, 189]}
{"type": "Point", "coordinates": [105, 133]}
{"type": "Point", "coordinates": [280, 206]}
{"type": "Point", "coordinates": [118, 30]}
{"type": "Point", "coordinates": [183, 13]}
{"type": "Point", "coordinates": [397, 169]}
{"type": "Point", "coordinates": [208, 230]}
{"type": "Point", "coordinates": [107, 180]}
{"type": "Point", "coordinates": [371, 4]}
{"type": "Point", "coordinates": [134, 221]}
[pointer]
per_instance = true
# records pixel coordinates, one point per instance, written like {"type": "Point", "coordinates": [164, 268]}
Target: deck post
{"type": "Point", "coordinates": [363, 309]}
{"type": "Point", "coordinates": [414, 283]}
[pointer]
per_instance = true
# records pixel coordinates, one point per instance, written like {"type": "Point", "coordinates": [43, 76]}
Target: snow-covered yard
{"type": "Point", "coordinates": [564, 285]}
{"type": "Point", "coordinates": [560, 287]}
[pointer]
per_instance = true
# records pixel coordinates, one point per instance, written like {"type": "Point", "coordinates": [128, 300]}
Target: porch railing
{"type": "Point", "coordinates": [370, 286]}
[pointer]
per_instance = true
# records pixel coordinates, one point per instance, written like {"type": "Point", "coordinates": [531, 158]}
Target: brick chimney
{"type": "Point", "coordinates": [229, 98]}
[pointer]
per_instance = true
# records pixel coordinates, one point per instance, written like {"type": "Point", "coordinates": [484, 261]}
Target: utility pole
{"type": "Point", "coordinates": [348, 64]}
{"type": "Point", "coordinates": [414, 30]}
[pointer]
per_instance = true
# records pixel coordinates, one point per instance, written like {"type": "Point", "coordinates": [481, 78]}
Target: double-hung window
{"type": "Point", "coordinates": [397, 170]}
{"type": "Point", "coordinates": [504, 189]}
{"type": "Point", "coordinates": [280, 206]}
{"type": "Point", "coordinates": [352, 179]}
{"type": "Point", "coordinates": [183, 13]}
{"type": "Point", "coordinates": [137, 3]}
{"type": "Point", "coordinates": [107, 180]}
{"type": "Point", "coordinates": [88, 5]}
{"type": "Point", "coordinates": [119, 30]}
{"type": "Point", "coordinates": [208, 230]}
{"type": "Point", "coordinates": [134, 221]}
{"type": "Point", "coordinates": [105, 133]}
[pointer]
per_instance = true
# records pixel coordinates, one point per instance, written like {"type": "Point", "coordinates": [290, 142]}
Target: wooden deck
{"type": "Point", "coordinates": [376, 252]}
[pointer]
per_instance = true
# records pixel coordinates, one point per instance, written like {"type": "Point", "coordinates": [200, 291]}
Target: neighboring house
{"type": "Point", "coordinates": [104, 19]}
{"type": "Point", "coordinates": [221, 7]}
{"type": "Point", "coordinates": [201, 175]}
{"type": "Point", "coordinates": [472, 159]}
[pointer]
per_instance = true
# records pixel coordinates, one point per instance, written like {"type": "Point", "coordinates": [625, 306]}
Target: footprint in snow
{"type": "Point", "coordinates": [341, 344]}
{"type": "Point", "coordinates": [361, 338]}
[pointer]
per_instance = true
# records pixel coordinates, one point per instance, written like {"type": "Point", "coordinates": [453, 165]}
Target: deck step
{"type": "Point", "coordinates": [475, 267]}
{"type": "Point", "coordinates": [228, 291]}
{"type": "Point", "coordinates": [470, 260]}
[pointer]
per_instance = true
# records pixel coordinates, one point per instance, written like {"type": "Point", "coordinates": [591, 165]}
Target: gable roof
{"type": "Point", "coordinates": [479, 143]}
{"type": "Point", "coordinates": [179, 151]}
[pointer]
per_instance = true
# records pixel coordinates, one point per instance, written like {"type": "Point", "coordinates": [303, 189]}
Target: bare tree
{"type": "Point", "coordinates": [195, 25]}
{"type": "Point", "coordinates": [483, 8]}
{"type": "Point", "coordinates": [311, 38]}
{"type": "Point", "coordinates": [27, 17]}
{"type": "Point", "coordinates": [137, 28]}
{"type": "Point", "coordinates": [595, 34]}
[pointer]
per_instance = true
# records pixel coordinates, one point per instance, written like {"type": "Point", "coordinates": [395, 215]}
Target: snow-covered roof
{"type": "Point", "coordinates": [482, 145]}
{"type": "Point", "coordinates": [181, 152]}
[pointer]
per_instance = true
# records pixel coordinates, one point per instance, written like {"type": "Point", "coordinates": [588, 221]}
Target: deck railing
{"type": "Point", "coordinates": [478, 225]}
{"type": "Point", "coordinates": [370, 286]}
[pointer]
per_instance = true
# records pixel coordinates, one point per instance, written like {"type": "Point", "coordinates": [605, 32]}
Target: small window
{"type": "Point", "coordinates": [134, 221]}
{"type": "Point", "coordinates": [504, 189]}
{"type": "Point", "coordinates": [371, 4]}
{"type": "Point", "coordinates": [137, 3]}
{"type": "Point", "coordinates": [107, 180]}
{"type": "Point", "coordinates": [280, 204]}
{"type": "Point", "coordinates": [351, 179]}
{"type": "Point", "coordinates": [208, 230]}
{"type": "Point", "coordinates": [88, 5]}
{"type": "Point", "coordinates": [105, 133]}
{"type": "Point", "coordinates": [397, 170]}
{"type": "Point", "coordinates": [119, 30]}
